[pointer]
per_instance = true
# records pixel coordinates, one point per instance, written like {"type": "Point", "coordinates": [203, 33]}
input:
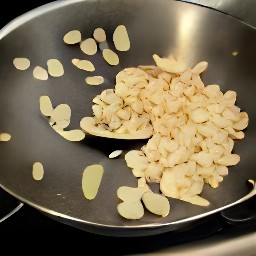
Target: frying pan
{"type": "Point", "coordinates": [189, 32]}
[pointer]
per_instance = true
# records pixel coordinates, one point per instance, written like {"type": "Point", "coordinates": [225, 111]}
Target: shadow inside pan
{"type": "Point", "coordinates": [189, 32]}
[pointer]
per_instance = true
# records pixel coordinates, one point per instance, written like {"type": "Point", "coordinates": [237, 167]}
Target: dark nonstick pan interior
{"type": "Point", "coordinates": [189, 32]}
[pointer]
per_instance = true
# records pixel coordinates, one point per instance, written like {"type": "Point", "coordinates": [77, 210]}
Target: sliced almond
{"type": "Point", "coordinates": [115, 154]}
{"type": "Point", "coordinates": [85, 65]}
{"type": "Point", "coordinates": [55, 68]}
{"type": "Point", "coordinates": [60, 113]}
{"type": "Point", "coordinates": [21, 63]}
{"type": "Point", "coordinates": [94, 80]}
{"type": "Point", "coordinates": [99, 35]}
{"type": "Point", "coordinates": [89, 46]}
{"type": "Point", "coordinates": [156, 203]}
{"type": "Point", "coordinates": [40, 73]}
{"type": "Point", "coordinates": [38, 171]}
{"type": "Point", "coordinates": [121, 38]}
{"type": "Point", "coordinates": [129, 194]}
{"type": "Point", "coordinates": [75, 61]}
{"type": "Point", "coordinates": [46, 106]}
{"type": "Point", "coordinates": [4, 137]}
{"type": "Point", "coordinates": [197, 200]}
{"type": "Point", "coordinates": [72, 37]}
{"type": "Point", "coordinates": [88, 125]}
{"type": "Point", "coordinates": [110, 57]}
{"type": "Point", "coordinates": [91, 180]}
{"type": "Point", "coordinates": [72, 135]}
{"type": "Point", "coordinates": [131, 210]}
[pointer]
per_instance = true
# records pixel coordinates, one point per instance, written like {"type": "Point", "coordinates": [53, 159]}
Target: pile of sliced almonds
{"type": "Point", "coordinates": [193, 126]}
{"type": "Point", "coordinates": [134, 199]}
{"type": "Point", "coordinates": [59, 119]}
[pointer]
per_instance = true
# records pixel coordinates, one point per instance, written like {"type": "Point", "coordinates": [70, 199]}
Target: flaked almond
{"type": "Point", "coordinates": [99, 35]}
{"type": "Point", "coordinates": [21, 63]}
{"type": "Point", "coordinates": [72, 37]}
{"type": "Point", "coordinates": [72, 135]}
{"type": "Point", "coordinates": [91, 180]}
{"type": "Point", "coordinates": [156, 203]}
{"type": "Point", "coordinates": [115, 154]}
{"type": "Point", "coordinates": [110, 57]}
{"type": "Point", "coordinates": [46, 107]}
{"type": "Point", "coordinates": [55, 68]}
{"type": "Point", "coordinates": [121, 38]}
{"type": "Point", "coordinates": [38, 171]}
{"type": "Point", "coordinates": [89, 46]}
{"type": "Point", "coordinates": [40, 73]}
{"type": "Point", "coordinates": [131, 210]}
{"type": "Point", "coordinates": [4, 137]}
{"type": "Point", "coordinates": [94, 80]}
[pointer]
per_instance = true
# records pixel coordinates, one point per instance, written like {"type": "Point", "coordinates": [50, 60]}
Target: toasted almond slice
{"type": "Point", "coordinates": [197, 200]}
{"type": "Point", "coordinates": [21, 63]}
{"type": "Point", "coordinates": [89, 46]}
{"type": "Point", "coordinates": [131, 210]}
{"type": "Point", "coordinates": [40, 73]}
{"type": "Point", "coordinates": [46, 106]}
{"type": "Point", "coordinates": [121, 39]}
{"type": "Point", "coordinates": [129, 194]}
{"type": "Point", "coordinates": [38, 171]}
{"type": "Point", "coordinates": [75, 61]}
{"type": "Point", "coordinates": [169, 64]}
{"type": "Point", "coordinates": [110, 57]}
{"type": "Point", "coordinates": [115, 154]}
{"type": "Point", "coordinates": [99, 35]}
{"type": "Point", "coordinates": [156, 203]}
{"type": "Point", "coordinates": [88, 125]}
{"type": "Point", "coordinates": [72, 37]}
{"type": "Point", "coordinates": [94, 80]}
{"type": "Point", "coordinates": [55, 68]}
{"type": "Point", "coordinates": [4, 137]}
{"type": "Point", "coordinates": [91, 180]}
{"type": "Point", "coordinates": [60, 113]}
{"type": "Point", "coordinates": [85, 65]}
{"type": "Point", "coordinates": [72, 135]}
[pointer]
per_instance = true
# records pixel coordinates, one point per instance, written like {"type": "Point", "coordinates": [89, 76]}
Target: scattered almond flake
{"type": "Point", "coordinates": [234, 53]}
{"type": "Point", "coordinates": [46, 107]}
{"type": "Point", "coordinates": [121, 39]}
{"type": "Point", "coordinates": [99, 35]}
{"type": "Point", "coordinates": [110, 57]}
{"type": "Point", "coordinates": [40, 73]}
{"type": "Point", "coordinates": [72, 135]}
{"type": "Point", "coordinates": [94, 80]}
{"type": "Point", "coordinates": [115, 154]}
{"type": "Point", "coordinates": [129, 194]}
{"type": "Point", "coordinates": [38, 171]}
{"type": "Point", "coordinates": [60, 113]}
{"type": "Point", "coordinates": [21, 63]}
{"type": "Point", "coordinates": [4, 137]}
{"type": "Point", "coordinates": [197, 200]}
{"type": "Point", "coordinates": [75, 61]}
{"type": "Point", "coordinates": [85, 65]}
{"type": "Point", "coordinates": [103, 45]}
{"type": "Point", "coordinates": [131, 210]}
{"type": "Point", "coordinates": [55, 68]}
{"type": "Point", "coordinates": [72, 37]}
{"type": "Point", "coordinates": [89, 46]}
{"type": "Point", "coordinates": [156, 203]}
{"type": "Point", "coordinates": [91, 180]}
